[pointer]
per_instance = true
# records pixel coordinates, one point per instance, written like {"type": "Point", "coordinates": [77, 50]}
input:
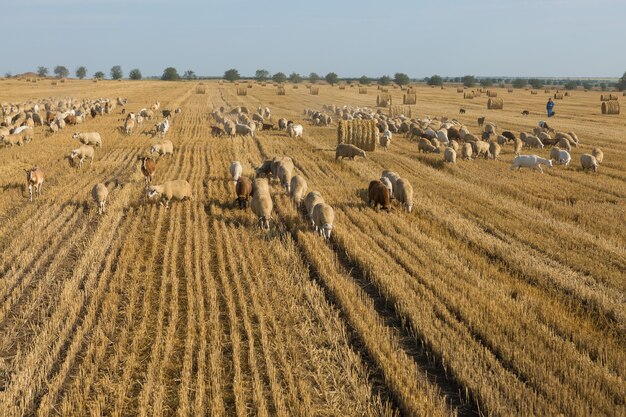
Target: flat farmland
{"type": "Point", "coordinates": [501, 293]}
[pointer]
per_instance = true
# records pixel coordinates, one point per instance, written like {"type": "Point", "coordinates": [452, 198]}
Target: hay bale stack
{"type": "Point", "coordinates": [533, 92]}
{"type": "Point", "coordinates": [409, 98]}
{"type": "Point", "coordinates": [280, 91]}
{"type": "Point", "coordinates": [558, 96]}
{"type": "Point", "coordinates": [360, 133]}
{"type": "Point", "coordinates": [492, 93]}
{"type": "Point", "coordinates": [315, 91]}
{"type": "Point", "coordinates": [468, 95]}
{"type": "Point", "coordinates": [608, 97]}
{"type": "Point", "coordinates": [495, 103]}
{"type": "Point", "coordinates": [610, 107]}
{"type": "Point", "coordinates": [383, 100]}
{"type": "Point", "coordinates": [400, 110]}
{"type": "Point", "coordinates": [242, 91]}
{"type": "Point", "coordinates": [200, 90]}
{"type": "Point", "coordinates": [362, 90]}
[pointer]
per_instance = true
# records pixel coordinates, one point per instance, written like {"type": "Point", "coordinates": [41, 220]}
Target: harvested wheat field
{"type": "Point", "coordinates": [501, 293]}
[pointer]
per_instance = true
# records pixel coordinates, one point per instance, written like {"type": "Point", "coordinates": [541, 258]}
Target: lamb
{"type": "Point", "coordinates": [129, 125]}
{"type": "Point", "coordinates": [148, 168]}
{"type": "Point", "coordinates": [466, 151]}
{"type": "Point", "coordinates": [449, 155]}
{"type": "Point", "coordinates": [262, 206]}
{"type": "Point", "coordinates": [100, 192]}
{"type": "Point", "coordinates": [347, 150]}
{"type": "Point", "coordinates": [83, 152]}
{"type": "Point", "coordinates": [378, 194]}
{"type": "Point", "coordinates": [88, 138]}
{"type": "Point", "coordinates": [530, 161]}
{"type": "Point", "coordinates": [425, 146]}
{"type": "Point", "coordinates": [34, 179]}
{"type": "Point", "coordinates": [403, 192]}
{"type": "Point", "coordinates": [295, 131]}
{"type": "Point", "coordinates": [170, 190]}
{"type": "Point", "coordinates": [564, 158]}
{"type": "Point", "coordinates": [243, 188]}
{"type": "Point", "coordinates": [310, 201]}
{"type": "Point", "coordinates": [589, 162]}
{"type": "Point", "coordinates": [164, 148]}
{"type": "Point", "coordinates": [235, 170]}
{"type": "Point", "coordinates": [481, 148]}
{"type": "Point", "coordinates": [598, 154]}
{"type": "Point", "coordinates": [297, 189]}
{"type": "Point", "coordinates": [494, 150]}
{"type": "Point", "coordinates": [532, 141]}
{"type": "Point", "coordinates": [284, 172]}
{"type": "Point", "coordinates": [323, 218]}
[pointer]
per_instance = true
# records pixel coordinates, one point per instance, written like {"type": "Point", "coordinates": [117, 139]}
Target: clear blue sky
{"type": "Point", "coordinates": [572, 38]}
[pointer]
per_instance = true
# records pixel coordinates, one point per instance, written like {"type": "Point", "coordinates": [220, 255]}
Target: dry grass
{"type": "Point", "coordinates": [501, 292]}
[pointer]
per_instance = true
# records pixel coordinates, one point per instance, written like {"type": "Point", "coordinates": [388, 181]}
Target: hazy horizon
{"type": "Point", "coordinates": [557, 39]}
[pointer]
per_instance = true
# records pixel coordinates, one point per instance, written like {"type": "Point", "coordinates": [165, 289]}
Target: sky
{"type": "Point", "coordinates": [526, 38]}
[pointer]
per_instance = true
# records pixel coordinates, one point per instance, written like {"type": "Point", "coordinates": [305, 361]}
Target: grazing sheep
{"type": "Point", "coordinates": [403, 192]}
{"type": "Point", "coordinates": [262, 206]}
{"type": "Point", "coordinates": [554, 153]}
{"type": "Point", "coordinates": [564, 158]}
{"type": "Point", "coordinates": [393, 178]}
{"type": "Point", "coordinates": [454, 145]}
{"type": "Point", "coordinates": [83, 152]}
{"type": "Point", "coordinates": [34, 179]}
{"type": "Point", "coordinates": [230, 128]}
{"type": "Point", "coordinates": [481, 121]}
{"type": "Point", "coordinates": [470, 138]}
{"type": "Point", "coordinates": [284, 172]}
{"type": "Point", "coordinates": [599, 155]}
{"type": "Point", "coordinates": [561, 135]}
{"type": "Point", "coordinates": [235, 170]}
{"type": "Point", "coordinates": [282, 124]}
{"type": "Point", "coordinates": [588, 161]}
{"type": "Point", "coordinates": [532, 141]}
{"type": "Point", "coordinates": [129, 125]}
{"type": "Point", "coordinates": [573, 136]}
{"type": "Point", "coordinates": [347, 150]}
{"type": "Point", "coordinates": [217, 131]}
{"type": "Point", "coordinates": [295, 131]}
{"type": "Point", "coordinates": [481, 148]}
{"type": "Point", "coordinates": [453, 134]}
{"type": "Point", "coordinates": [170, 190]}
{"type": "Point", "coordinates": [517, 146]}
{"type": "Point", "coordinates": [466, 151]}
{"type": "Point", "coordinates": [12, 140]}
{"type": "Point", "coordinates": [243, 130]}
{"type": "Point", "coordinates": [100, 192]}
{"type": "Point", "coordinates": [509, 135]}
{"type": "Point", "coordinates": [88, 138]}
{"type": "Point", "coordinates": [426, 146]}
{"type": "Point", "coordinates": [387, 183]}
{"type": "Point", "coordinates": [378, 194]}
{"type": "Point", "coordinates": [265, 168]}
{"type": "Point", "coordinates": [565, 144]}
{"type": "Point", "coordinates": [310, 201]}
{"type": "Point", "coordinates": [243, 188]}
{"type": "Point", "coordinates": [494, 150]}
{"type": "Point", "coordinates": [530, 161]}
{"type": "Point", "coordinates": [449, 155]}
{"type": "Point", "coordinates": [323, 218]}
{"type": "Point", "coordinates": [502, 140]}
{"type": "Point", "coordinates": [297, 189]}
{"type": "Point", "coordinates": [260, 185]}
{"type": "Point", "coordinates": [164, 148]}
{"type": "Point", "coordinates": [148, 168]}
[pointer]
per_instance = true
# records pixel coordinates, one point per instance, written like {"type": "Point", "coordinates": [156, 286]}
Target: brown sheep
{"type": "Point", "coordinates": [148, 167]}
{"type": "Point", "coordinates": [378, 194]}
{"type": "Point", "coordinates": [244, 191]}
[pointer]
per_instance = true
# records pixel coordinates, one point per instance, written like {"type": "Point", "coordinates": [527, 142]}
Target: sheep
{"type": "Point", "coordinates": [530, 161]}
{"type": "Point", "coordinates": [565, 144]}
{"type": "Point", "coordinates": [170, 190]}
{"type": "Point", "coordinates": [230, 128]}
{"type": "Point", "coordinates": [284, 172]}
{"type": "Point", "coordinates": [564, 158]}
{"type": "Point", "coordinates": [100, 192]}
{"type": "Point", "coordinates": [282, 124]}
{"type": "Point", "coordinates": [11, 140]}
{"type": "Point", "coordinates": [217, 131]}
{"type": "Point", "coordinates": [148, 168]}
{"type": "Point", "coordinates": [454, 145]}
{"type": "Point", "coordinates": [262, 206]}
{"type": "Point", "coordinates": [88, 138]}
{"type": "Point", "coordinates": [323, 218]}
{"type": "Point", "coordinates": [517, 146]}
{"type": "Point", "coordinates": [435, 142]}
{"type": "Point", "coordinates": [509, 135]}
{"type": "Point", "coordinates": [532, 141]}
{"type": "Point", "coordinates": [466, 151]}
{"type": "Point", "coordinates": [502, 140]}
{"type": "Point", "coordinates": [554, 153]}
{"type": "Point", "coordinates": [598, 154]}
{"type": "Point", "coordinates": [297, 189]}
{"type": "Point", "coordinates": [494, 150]}
{"type": "Point", "coordinates": [425, 146]}
{"type": "Point", "coordinates": [265, 168]}
{"type": "Point", "coordinates": [243, 130]}
{"type": "Point", "coordinates": [546, 139]}
{"type": "Point", "coordinates": [385, 140]}
{"type": "Point", "coordinates": [378, 194]}
{"type": "Point", "coordinates": [481, 121]}
{"type": "Point", "coordinates": [560, 135]}
{"type": "Point", "coordinates": [260, 185]}
{"type": "Point", "coordinates": [235, 170]}
{"type": "Point", "coordinates": [387, 183]}
{"type": "Point", "coordinates": [442, 136]}
{"type": "Point", "coordinates": [310, 201]}
{"type": "Point", "coordinates": [257, 118]}
{"type": "Point", "coordinates": [403, 192]}
{"type": "Point", "coordinates": [243, 188]}
{"type": "Point", "coordinates": [481, 148]}
{"type": "Point", "coordinates": [573, 136]}
{"type": "Point", "coordinates": [470, 138]}
{"type": "Point", "coordinates": [295, 131]}
{"type": "Point", "coordinates": [449, 155]}
{"type": "Point", "coordinates": [588, 161]}
{"type": "Point", "coordinates": [129, 125]}
{"type": "Point", "coordinates": [164, 148]}
{"type": "Point", "coordinates": [490, 129]}
{"type": "Point", "coordinates": [347, 150]}
{"type": "Point", "coordinates": [34, 179]}
{"type": "Point", "coordinates": [83, 152]}
{"type": "Point", "coordinates": [453, 134]}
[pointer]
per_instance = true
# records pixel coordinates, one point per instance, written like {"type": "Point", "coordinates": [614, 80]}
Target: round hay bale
{"type": "Point", "coordinates": [459, 90]}
{"type": "Point", "coordinates": [492, 93]}
{"type": "Point", "coordinates": [468, 95]}
{"type": "Point", "coordinates": [495, 103]}
{"type": "Point", "coordinates": [409, 98]}
{"type": "Point", "coordinates": [610, 107]}
{"type": "Point", "coordinates": [558, 96]}
{"type": "Point", "coordinates": [362, 90]}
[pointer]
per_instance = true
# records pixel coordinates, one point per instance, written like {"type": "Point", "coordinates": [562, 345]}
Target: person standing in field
{"type": "Point", "coordinates": [550, 107]}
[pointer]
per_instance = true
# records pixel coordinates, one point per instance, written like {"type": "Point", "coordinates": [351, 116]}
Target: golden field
{"type": "Point", "coordinates": [502, 293]}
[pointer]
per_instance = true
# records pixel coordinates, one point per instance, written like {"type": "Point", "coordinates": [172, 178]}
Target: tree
{"type": "Point", "coordinates": [314, 77]}
{"type": "Point", "coordinates": [294, 77]}
{"type": "Point", "coordinates": [364, 80]}
{"type": "Point", "coordinates": [134, 74]}
{"type": "Point", "coordinates": [535, 83]}
{"type": "Point", "coordinates": [603, 86]}
{"type": "Point", "coordinates": [279, 77]}
{"type": "Point", "coordinates": [60, 71]}
{"type": "Point", "coordinates": [384, 80]}
{"type": "Point", "coordinates": [81, 72]}
{"type": "Point", "coordinates": [486, 82]}
{"type": "Point", "coordinates": [42, 71]}
{"type": "Point", "coordinates": [261, 75]}
{"type": "Point", "coordinates": [170, 74]}
{"type": "Point", "coordinates": [401, 78]}
{"type": "Point", "coordinates": [570, 85]}
{"type": "Point", "coordinates": [331, 78]}
{"type": "Point", "coordinates": [231, 75]}
{"type": "Point", "coordinates": [435, 80]}
{"type": "Point", "coordinates": [621, 84]}
{"type": "Point", "coordinates": [116, 72]}
{"type": "Point", "coordinates": [189, 75]}
{"type": "Point", "coordinates": [519, 83]}
{"type": "Point", "coordinates": [469, 81]}
{"type": "Point", "coordinates": [99, 75]}
{"type": "Point", "coordinates": [588, 85]}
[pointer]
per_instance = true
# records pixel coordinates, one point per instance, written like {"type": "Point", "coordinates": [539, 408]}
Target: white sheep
{"type": "Point", "coordinates": [387, 183]}
{"type": "Point", "coordinates": [449, 155]}
{"type": "Point", "coordinates": [403, 192]}
{"type": "Point", "coordinates": [170, 190]}
{"type": "Point", "coordinates": [530, 161]}
{"type": "Point", "coordinates": [466, 151]}
{"type": "Point", "coordinates": [284, 172]}
{"type": "Point", "coordinates": [295, 131]}
{"type": "Point", "coordinates": [347, 150]}
{"type": "Point", "coordinates": [235, 170]}
{"type": "Point", "coordinates": [494, 150]}
{"type": "Point", "coordinates": [100, 193]}
{"type": "Point", "coordinates": [262, 206]}
{"type": "Point", "coordinates": [88, 138]}
{"type": "Point", "coordinates": [164, 148]}
{"type": "Point", "coordinates": [564, 158]}
{"type": "Point", "coordinates": [598, 154]}
{"type": "Point", "coordinates": [83, 152]}
{"type": "Point", "coordinates": [588, 161]}
{"type": "Point", "coordinates": [243, 130]}
{"type": "Point", "coordinates": [311, 200]}
{"type": "Point", "coordinates": [297, 189]}
{"type": "Point", "coordinates": [532, 141]}
{"type": "Point", "coordinates": [481, 148]}
{"type": "Point", "coordinates": [323, 218]}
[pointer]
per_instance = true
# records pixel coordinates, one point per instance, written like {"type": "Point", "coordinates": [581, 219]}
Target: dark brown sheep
{"type": "Point", "coordinates": [148, 168]}
{"type": "Point", "coordinates": [481, 121]}
{"type": "Point", "coordinates": [244, 191]}
{"type": "Point", "coordinates": [378, 194]}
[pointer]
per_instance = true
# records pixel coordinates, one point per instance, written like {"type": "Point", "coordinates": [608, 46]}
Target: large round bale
{"type": "Point", "coordinates": [558, 96]}
{"type": "Point", "coordinates": [495, 103]}
{"type": "Point", "coordinates": [468, 95]}
{"type": "Point", "coordinates": [610, 107]}
{"type": "Point", "coordinates": [492, 93]}
{"type": "Point", "coordinates": [608, 97]}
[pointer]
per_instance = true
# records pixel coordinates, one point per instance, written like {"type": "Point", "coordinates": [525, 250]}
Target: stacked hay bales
{"type": "Point", "coordinates": [610, 107]}
{"type": "Point", "coordinates": [242, 91]}
{"type": "Point", "coordinates": [409, 98]}
{"type": "Point", "coordinates": [608, 97]}
{"type": "Point", "coordinates": [360, 133]}
{"type": "Point", "coordinates": [491, 93]}
{"type": "Point", "coordinates": [468, 95]}
{"type": "Point", "coordinates": [383, 100]}
{"type": "Point", "coordinates": [362, 90]}
{"type": "Point", "coordinates": [495, 103]}
{"type": "Point", "coordinates": [315, 91]}
{"type": "Point", "coordinates": [558, 96]}
{"type": "Point", "coordinates": [280, 91]}
{"type": "Point", "coordinates": [200, 90]}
